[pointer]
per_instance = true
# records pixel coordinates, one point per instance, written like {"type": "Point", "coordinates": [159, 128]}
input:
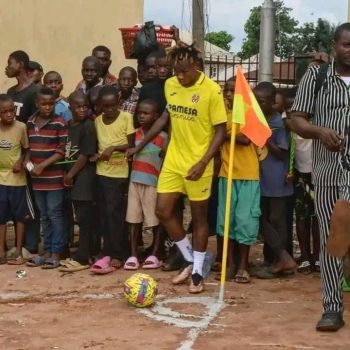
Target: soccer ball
{"type": "Point", "coordinates": [140, 290]}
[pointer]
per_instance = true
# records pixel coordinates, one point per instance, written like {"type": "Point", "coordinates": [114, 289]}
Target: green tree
{"type": "Point", "coordinates": [221, 39]}
{"type": "Point", "coordinates": [285, 26]}
{"type": "Point", "coordinates": [314, 37]}
{"type": "Point", "coordinates": [323, 36]}
{"type": "Point", "coordinates": [304, 38]}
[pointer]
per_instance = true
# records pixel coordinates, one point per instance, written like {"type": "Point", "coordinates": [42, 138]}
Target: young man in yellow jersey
{"type": "Point", "coordinates": [245, 209]}
{"type": "Point", "coordinates": [197, 115]}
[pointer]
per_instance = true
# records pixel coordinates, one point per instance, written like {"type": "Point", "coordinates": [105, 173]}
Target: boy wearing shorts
{"type": "Point", "coordinates": [15, 204]}
{"type": "Point", "coordinates": [245, 208]}
{"type": "Point", "coordinates": [142, 196]}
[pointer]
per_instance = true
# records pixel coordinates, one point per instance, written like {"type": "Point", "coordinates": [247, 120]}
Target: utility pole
{"type": "Point", "coordinates": [348, 10]}
{"type": "Point", "coordinates": [267, 41]}
{"type": "Point", "coordinates": [198, 24]}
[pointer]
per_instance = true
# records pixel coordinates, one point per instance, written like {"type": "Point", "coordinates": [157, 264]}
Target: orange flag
{"type": "Point", "coordinates": [247, 112]}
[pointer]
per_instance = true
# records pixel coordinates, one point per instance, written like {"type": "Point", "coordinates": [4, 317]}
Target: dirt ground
{"type": "Point", "coordinates": [50, 310]}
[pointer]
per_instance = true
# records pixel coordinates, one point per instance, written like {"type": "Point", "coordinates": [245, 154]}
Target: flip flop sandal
{"type": "Point", "coordinates": [242, 276]}
{"type": "Point", "coordinates": [131, 264]}
{"type": "Point", "coordinates": [305, 267]}
{"type": "Point", "coordinates": [36, 261]}
{"type": "Point", "coordinates": [16, 261]}
{"type": "Point", "coordinates": [3, 260]}
{"type": "Point", "coordinates": [103, 266]}
{"type": "Point", "coordinates": [65, 262]}
{"type": "Point", "coordinates": [50, 263]}
{"type": "Point", "coordinates": [72, 266]}
{"type": "Point", "coordinates": [152, 262]}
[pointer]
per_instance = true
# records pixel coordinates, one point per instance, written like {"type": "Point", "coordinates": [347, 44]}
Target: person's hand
{"type": "Point", "coordinates": [107, 154]}
{"type": "Point", "coordinates": [67, 180]}
{"type": "Point", "coordinates": [242, 140]}
{"type": "Point", "coordinates": [37, 170]}
{"type": "Point", "coordinates": [130, 152]}
{"type": "Point", "coordinates": [330, 139]}
{"type": "Point", "coordinates": [290, 178]}
{"type": "Point", "coordinates": [18, 166]}
{"type": "Point", "coordinates": [94, 158]}
{"type": "Point", "coordinates": [196, 172]}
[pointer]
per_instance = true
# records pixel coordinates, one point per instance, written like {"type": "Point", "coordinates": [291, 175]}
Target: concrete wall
{"type": "Point", "coordinates": [60, 33]}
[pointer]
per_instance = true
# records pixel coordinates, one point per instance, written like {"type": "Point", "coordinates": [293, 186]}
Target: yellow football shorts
{"type": "Point", "coordinates": [170, 182]}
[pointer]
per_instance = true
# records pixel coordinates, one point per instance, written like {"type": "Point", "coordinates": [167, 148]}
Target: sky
{"type": "Point", "coordinates": [231, 15]}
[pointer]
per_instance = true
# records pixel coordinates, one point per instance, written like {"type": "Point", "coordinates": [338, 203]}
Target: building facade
{"type": "Point", "coordinates": [59, 34]}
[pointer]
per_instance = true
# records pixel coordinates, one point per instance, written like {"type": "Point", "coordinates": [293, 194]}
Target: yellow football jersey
{"type": "Point", "coordinates": [194, 111]}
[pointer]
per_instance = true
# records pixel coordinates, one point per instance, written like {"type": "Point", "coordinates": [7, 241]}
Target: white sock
{"type": "Point", "coordinates": [198, 260]}
{"type": "Point", "coordinates": [185, 248]}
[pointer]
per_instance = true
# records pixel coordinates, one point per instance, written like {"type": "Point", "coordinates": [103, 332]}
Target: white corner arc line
{"type": "Point", "coordinates": [196, 324]}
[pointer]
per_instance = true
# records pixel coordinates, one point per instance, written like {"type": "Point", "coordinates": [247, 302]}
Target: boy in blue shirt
{"type": "Point", "coordinates": [53, 80]}
{"type": "Point", "coordinates": [275, 188]}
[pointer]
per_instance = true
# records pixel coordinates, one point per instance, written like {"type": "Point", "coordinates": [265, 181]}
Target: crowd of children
{"type": "Point", "coordinates": [99, 154]}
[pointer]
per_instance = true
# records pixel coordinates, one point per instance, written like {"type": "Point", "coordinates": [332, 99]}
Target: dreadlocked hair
{"type": "Point", "coordinates": [183, 52]}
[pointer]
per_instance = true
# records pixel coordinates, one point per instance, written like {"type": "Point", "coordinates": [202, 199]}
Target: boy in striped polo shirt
{"type": "Point", "coordinates": [142, 196]}
{"type": "Point", "coordinates": [47, 137]}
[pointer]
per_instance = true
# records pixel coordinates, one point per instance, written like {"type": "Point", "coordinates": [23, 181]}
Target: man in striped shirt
{"type": "Point", "coordinates": [47, 137]}
{"type": "Point", "coordinates": [330, 109]}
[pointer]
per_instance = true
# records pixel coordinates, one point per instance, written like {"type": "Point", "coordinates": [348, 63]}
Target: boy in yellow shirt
{"type": "Point", "coordinates": [245, 208]}
{"type": "Point", "coordinates": [196, 111]}
{"type": "Point", "coordinates": [115, 134]}
{"type": "Point", "coordinates": [15, 203]}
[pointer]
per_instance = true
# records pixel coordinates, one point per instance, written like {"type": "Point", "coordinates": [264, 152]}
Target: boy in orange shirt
{"type": "Point", "coordinates": [245, 209]}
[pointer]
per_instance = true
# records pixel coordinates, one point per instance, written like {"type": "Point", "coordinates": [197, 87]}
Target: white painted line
{"type": "Point", "coordinates": [196, 324]}
{"type": "Point", "coordinates": [265, 345]}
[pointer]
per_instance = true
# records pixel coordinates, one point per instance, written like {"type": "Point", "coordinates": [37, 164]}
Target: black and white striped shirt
{"type": "Point", "coordinates": [331, 109]}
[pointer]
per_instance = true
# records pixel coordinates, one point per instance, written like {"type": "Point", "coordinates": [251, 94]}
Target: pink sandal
{"type": "Point", "coordinates": [132, 263]}
{"type": "Point", "coordinates": [152, 262]}
{"type": "Point", "coordinates": [103, 266]}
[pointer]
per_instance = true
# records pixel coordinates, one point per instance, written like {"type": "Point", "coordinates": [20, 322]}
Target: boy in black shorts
{"type": "Point", "coordinates": [15, 203]}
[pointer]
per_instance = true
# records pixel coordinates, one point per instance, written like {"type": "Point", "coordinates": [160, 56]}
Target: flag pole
{"type": "Point", "coordinates": [227, 213]}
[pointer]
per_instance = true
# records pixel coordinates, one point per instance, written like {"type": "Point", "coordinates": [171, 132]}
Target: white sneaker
{"type": "Point", "coordinates": [195, 289]}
